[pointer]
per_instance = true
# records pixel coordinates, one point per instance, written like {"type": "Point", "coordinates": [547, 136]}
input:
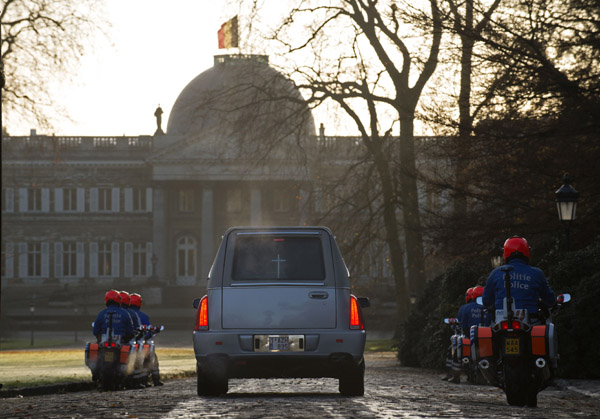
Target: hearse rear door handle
{"type": "Point", "coordinates": [320, 295]}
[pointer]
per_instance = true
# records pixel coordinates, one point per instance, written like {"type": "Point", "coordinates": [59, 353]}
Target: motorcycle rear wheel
{"type": "Point", "coordinates": [515, 384]}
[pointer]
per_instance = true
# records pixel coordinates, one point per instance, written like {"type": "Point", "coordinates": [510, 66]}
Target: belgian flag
{"type": "Point", "coordinates": [228, 34]}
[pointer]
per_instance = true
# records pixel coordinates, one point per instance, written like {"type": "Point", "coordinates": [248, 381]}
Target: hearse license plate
{"type": "Point", "coordinates": [109, 356]}
{"type": "Point", "coordinates": [278, 343]}
{"type": "Point", "coordinates": [511, 346]}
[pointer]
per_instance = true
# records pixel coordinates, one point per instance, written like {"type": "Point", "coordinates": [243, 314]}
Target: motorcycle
{"type": "Point", "coordinates": [110, 361]}
{"type": "Point", "coordinates": [461, 352]}
{"type": "Point", "coordinates": [146, 361]}
{"type": "Point", "coordinates": [514, 354]}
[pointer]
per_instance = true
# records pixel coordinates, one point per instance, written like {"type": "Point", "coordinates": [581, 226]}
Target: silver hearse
{"type": "Point", "coordinates": [279, 305]}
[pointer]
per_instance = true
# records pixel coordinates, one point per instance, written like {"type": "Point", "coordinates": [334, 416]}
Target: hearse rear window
{"type": "Point", "coordinates": [259, 258]}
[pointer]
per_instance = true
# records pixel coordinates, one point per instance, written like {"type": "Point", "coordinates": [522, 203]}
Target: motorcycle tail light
{"type": "Point", "coordinates": [504, 325]}
{"type": "Point", "coordinates": [113, 344]}
{"type": "Point", "coordinates": [356, 321]}
{"type": "Point", "coordinates": [202, 315]}
{"type": "Point", "coordinates": [516, 324]}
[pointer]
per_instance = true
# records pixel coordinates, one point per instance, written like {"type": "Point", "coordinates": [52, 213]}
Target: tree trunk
{"type": "Point", "coordinates": [410, 207]}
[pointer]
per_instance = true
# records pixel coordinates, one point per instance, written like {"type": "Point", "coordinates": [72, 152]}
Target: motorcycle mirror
{"type": "Point", "coordinates": [479, 300]}
{"type": "Point", "coordinates": [161, 328]}
{"type": "Point", "coordinates": [563, 298]}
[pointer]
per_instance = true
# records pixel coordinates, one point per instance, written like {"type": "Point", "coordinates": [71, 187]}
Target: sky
{"type": "Point", "coordinates": [157, 48]}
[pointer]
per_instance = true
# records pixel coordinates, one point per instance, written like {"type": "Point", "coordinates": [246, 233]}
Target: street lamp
{"type": "Point", "coordinates": [413, 298]}
{"type": "Point", "coordinates": [566, 204]}
{"type": "Point", "coordinates": [32, 310]}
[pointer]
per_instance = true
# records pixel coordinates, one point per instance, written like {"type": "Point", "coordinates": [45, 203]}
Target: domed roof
{"type": "Point", "coordinates": [239, 106]}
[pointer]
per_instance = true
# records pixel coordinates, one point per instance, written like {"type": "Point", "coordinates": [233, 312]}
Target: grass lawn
{"type": "Point", "coordinates": [25, 368]}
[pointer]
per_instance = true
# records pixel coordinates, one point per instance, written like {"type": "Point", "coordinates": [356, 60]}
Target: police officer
{"type": "Point", "coordinates": [113, 323]}
{"type": "Point", "coordinates": [527, 284]}
{"type": "Point", "coordinates": [135, 304]}
{"type": "Point", "coordinates": [125, 306]}
{"type": "Point", "coordinates": [471, 313]}
{"type": "Point", "coordinates": [452, 363]}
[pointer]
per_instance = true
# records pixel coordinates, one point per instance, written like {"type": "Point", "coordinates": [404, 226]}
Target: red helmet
{"type": "Point", "coordinates": [477, 292]}
{"type": "Point", "coordinates": [135, 300]}
{"type": "Point", "coordinates": [469, 295]}
{"type": "Point", "coordinates": [124, 298]}
{"type": "Point", "coordinates": [112, 296]}
{"type": "Point", "coordinates": [516, 247]}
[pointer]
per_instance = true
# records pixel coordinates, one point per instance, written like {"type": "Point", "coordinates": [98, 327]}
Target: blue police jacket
{"type": "Point", "coordinates": [122, 325]}
{"type": "Point", "coordinates": [470, 315]}
{"type": "Point", "coordinates": [144, 319]}
{"type": "Point", "coordinates": [527, 285]}
{"type": "Point", "coordinates": [134, 317]}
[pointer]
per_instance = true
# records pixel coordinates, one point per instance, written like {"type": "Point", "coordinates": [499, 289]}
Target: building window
{"type": "Point", "coordinates": [186, 200]}
{"type": "Point", "coordinates": [186, 257]}
{"type": "Point", "coordinates": [139, 199]}
{"type": "Point", "coordinates": [104, 259]}
{"type": "Point", "coordinates": [139, 259]}
{"type": "Point", "coordinates": [34, 199]}
{"type": "Point", "coordinates": [69, 259]}
{"type": "Point", "coordinates": [234, 200]}
{"type": "Point", "coordinates": [34, 259]}
{"type": "Point", "coordinates": [104, 199]}
{"type": "Point", "coordinates": [70, 199]}
{"type": "Point", "coordinates": [281, 200]}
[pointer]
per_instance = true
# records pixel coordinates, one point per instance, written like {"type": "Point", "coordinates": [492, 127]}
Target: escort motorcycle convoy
{"type": "Point", "coordinates": [514, 354]}
{"type": "Point", "coordinates": [115, 365]}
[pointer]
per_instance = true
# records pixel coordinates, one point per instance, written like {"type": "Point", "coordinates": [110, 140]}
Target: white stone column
{"type": "Point", "coordinates": [304, 206]}
{"type": "Point", "coordinates": [207, 250]}
{"type": "Point", "coordinates": [255, 207]}
{"type": "Point", "coordinates": [159, 236]}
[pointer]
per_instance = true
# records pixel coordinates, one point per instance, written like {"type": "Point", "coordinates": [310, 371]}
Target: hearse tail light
{"type": "Point", "coordinates": [356, 321]}
{"type": "Point", "coordinates": [202, 315]}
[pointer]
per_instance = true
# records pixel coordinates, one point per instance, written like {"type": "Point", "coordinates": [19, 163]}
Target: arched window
{"type": "Point", "coordinates": [186, 261]}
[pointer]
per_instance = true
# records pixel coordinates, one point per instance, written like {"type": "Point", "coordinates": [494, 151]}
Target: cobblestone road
{"type": "Point", "coordinates": [390, 391]}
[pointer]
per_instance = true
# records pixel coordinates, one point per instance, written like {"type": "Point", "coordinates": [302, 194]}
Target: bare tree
{"type": "Point", "coordinates": [372, 75]}
{"type": "Point", "coordinates": [42, 42]}
{"type": "Point", "coordinates": [536, 116]}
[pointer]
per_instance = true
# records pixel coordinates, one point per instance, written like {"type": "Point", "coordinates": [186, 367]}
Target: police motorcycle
{"type": "Point", "coordinates": [461, 351]}
{"type": "Point", "coordinates": [110, 360]}
{"type": "Point", "coordinates": [146, 361]}
{"type": "Point", "coordinates": [515, 355]}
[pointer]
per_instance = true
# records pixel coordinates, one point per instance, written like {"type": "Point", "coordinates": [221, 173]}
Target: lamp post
{"type": "Point", "coordinates": [566, 204]}
{"type": "Point", "coordinates": [31, 310]}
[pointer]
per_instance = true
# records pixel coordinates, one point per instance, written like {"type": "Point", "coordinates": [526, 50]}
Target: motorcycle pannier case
{"type": "Point", "coordinates": [125, 349]}
{"type": "Point", "coordinates": [481, 343]}
{"type": "Point", "coordinates": [466, 347]}
{"type": "Point", "coordinates": [91, 353]}
{"type": "Point", "coordinates": [539, 343]}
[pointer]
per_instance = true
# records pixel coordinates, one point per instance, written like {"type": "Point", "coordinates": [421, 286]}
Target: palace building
{"type": "Point", "coordinates": [81, 215]}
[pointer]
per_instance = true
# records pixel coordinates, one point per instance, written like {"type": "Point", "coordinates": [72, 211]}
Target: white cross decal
{"type": "Point", "coordinates": [278, 260]}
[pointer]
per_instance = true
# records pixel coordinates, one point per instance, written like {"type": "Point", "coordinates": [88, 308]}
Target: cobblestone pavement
{"type": "Point", "coordinates": [391, 391]}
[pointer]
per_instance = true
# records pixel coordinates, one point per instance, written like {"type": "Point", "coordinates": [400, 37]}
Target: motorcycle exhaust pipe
{"type": "Point", "coordinates": [486, 370]}
{"type": "Point", "coordinates": [465, 360]}
{"type": "Point", "coordinates": [542, 366]}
